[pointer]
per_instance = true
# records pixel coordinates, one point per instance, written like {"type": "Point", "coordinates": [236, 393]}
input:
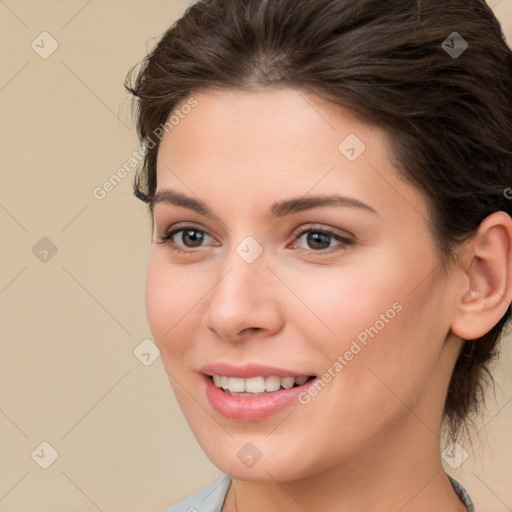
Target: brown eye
{"type": "Point", "coordinates": [318, 240]}
{"type": "Point", "coordinates": [194, 235]}
{"type": "Point", "coordinates": [188, 237]}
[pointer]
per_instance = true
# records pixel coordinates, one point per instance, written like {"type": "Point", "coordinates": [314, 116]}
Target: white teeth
{"type": "Point", "coordinates": [288, 382]}
{"type": "Point", "coordinates": [272, 383]}
{"type": "Point", "coordinates": [236, 385]}
{"type": "Point", "coordinates": [257, 385]}
{"type": "Point", "coordinates": [254, 385]}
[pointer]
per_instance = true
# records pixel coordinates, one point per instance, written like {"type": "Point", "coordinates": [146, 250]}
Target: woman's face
{"type": "Point", "coordinates": [349, 292]}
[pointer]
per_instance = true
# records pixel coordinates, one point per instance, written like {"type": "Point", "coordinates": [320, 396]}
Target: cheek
{"type": "Point", "coordinates": [170, 297]}
{"type": "Point", "coordinates": [158, 296]}
{"type": "Point", "coordinates": [346, 299]}
{"type": "Point", "coordinates": [402, 334]}
{"type": "Point", "coordinates": [380, 314]}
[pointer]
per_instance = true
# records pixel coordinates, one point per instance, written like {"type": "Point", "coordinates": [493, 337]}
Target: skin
{"type": "Point", "coordinates": [376, 425]}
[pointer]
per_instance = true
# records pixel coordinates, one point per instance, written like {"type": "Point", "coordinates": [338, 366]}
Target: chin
{"type": "Point", "coordinates": [252, 461]}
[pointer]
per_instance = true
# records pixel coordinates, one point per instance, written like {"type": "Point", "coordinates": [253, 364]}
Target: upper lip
{"type": "Point", "coordinates": [249, 370]}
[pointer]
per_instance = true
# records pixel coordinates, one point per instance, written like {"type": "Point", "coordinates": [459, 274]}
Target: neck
{"type": "Point", "coordinates": [384, 476]}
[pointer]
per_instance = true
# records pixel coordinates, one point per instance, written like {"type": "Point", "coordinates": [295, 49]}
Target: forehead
{"type": "Point", "coordinates": [275, 117]}
{"type": "Point", "coordinates": [272, 143]}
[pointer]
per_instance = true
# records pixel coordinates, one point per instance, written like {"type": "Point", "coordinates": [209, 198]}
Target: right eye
{"type": "Point", "coordinates": [188, 233]}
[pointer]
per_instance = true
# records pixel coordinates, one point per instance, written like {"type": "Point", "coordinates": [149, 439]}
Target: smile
{"type": "Point", "coordinates": [262, 396]}
{"type": "Point", "coordinates": [256, 386]}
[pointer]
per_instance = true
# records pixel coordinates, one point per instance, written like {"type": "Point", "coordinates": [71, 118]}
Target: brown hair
{"type": "Point", "coordinates": [448, 116]}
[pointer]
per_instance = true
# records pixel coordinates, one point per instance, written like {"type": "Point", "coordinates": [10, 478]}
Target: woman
{"type": "Point", "coordinates": [330, 272]}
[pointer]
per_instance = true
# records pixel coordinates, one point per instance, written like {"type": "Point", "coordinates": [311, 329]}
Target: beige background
{"type": "Point", "coordinates": [70, 324]}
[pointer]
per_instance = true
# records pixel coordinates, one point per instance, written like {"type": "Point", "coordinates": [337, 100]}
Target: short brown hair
{"type": "Point", "coordinates": [448, 117]}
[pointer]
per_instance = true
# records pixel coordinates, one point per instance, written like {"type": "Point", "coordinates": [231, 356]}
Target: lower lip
{"type": "Point", "coordinates": [243, 408]}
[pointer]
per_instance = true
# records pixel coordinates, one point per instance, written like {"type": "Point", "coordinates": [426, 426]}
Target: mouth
{"type": "Point", "coordinates": [259, 385]}
{"type": "Point", "coordinates": [253, 391]}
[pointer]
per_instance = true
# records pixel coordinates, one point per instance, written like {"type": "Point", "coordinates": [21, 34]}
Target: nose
{"type": "Point", "coordinates": [245, 301]}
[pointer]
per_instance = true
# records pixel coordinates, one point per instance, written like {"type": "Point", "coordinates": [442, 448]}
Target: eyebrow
{"type": "Point", "coordinates": [278, 209]}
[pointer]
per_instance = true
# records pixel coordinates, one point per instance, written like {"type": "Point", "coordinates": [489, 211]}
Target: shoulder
{"type": "Point", "coordinates": [462, 493]}
{"type": "Point", "coordinates": [207, 499]}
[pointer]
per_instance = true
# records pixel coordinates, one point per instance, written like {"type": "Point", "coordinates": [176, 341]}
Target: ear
{"type": "Point", "coordinates": [487, 290]}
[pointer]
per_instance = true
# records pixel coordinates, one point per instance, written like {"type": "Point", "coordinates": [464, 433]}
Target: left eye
{"type": "Point", "coordinates": [320, 239]}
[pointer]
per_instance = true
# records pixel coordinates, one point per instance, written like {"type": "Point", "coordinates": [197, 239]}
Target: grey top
{"type": "Point", "coordinates": [211, 498]}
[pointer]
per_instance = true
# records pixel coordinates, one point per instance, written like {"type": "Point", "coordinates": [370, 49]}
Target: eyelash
{"type": "Point", "coordinates": [166, 239]}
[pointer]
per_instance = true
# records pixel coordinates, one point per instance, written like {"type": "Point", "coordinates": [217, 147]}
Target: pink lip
{"type": "Point", "coordinates": [248, 370]}
{"type": "Point", "coordinates": [256, 408]}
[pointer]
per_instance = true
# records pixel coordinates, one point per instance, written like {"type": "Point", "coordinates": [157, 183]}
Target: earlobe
{"type": "Point", "coordinates": [487, 292]}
